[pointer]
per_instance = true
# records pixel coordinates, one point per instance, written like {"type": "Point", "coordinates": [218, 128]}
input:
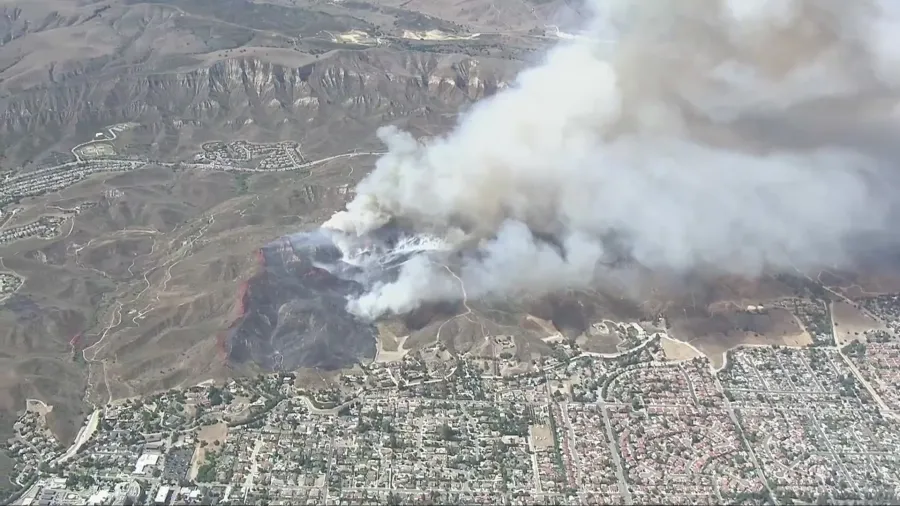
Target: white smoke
{"type": "Point", "coordinates": [713, 133]}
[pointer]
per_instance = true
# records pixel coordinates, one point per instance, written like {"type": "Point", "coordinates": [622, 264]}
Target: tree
{"type": "Point", "coordinates": [447, 433]}
{"type": "Point", "coordinates": [215, 396]}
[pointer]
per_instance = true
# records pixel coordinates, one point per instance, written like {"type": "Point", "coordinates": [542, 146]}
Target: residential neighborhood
{"type": "Point", "coordinates": [774, 424]}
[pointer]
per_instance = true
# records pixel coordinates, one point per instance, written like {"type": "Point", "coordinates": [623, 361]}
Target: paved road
{"type": "Point", "coordinates": [653, 337]}
{"type": "Point", "coordinates": [885, 410]}
{"type": "Point", "coordinates": [740, 430]}
{"type": "Point", "coordinates": [614, 450]}
{"type": "Point", "coordinates": [576, 459]}
{"type": "Point", "coordinates": [254, 468]}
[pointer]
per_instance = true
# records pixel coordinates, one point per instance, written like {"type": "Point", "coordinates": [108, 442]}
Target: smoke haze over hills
{"type": "Point", "coordinates": [738, 136]}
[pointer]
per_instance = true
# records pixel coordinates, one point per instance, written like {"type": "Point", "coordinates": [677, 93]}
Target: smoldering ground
{"type": "Point", "coordinates": [733, 136]}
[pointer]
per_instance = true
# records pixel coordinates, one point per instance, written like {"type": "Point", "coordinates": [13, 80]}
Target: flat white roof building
{"type": "Point", "coordinates": [98, 498]}
{"type": "Point", "coordinates": [162, 495]}
{"type": "Point", "coordinates": [145, 460]}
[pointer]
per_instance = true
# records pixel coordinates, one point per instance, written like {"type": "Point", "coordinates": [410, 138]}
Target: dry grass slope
{"type": "Point", "coordinates": [130, 296]}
